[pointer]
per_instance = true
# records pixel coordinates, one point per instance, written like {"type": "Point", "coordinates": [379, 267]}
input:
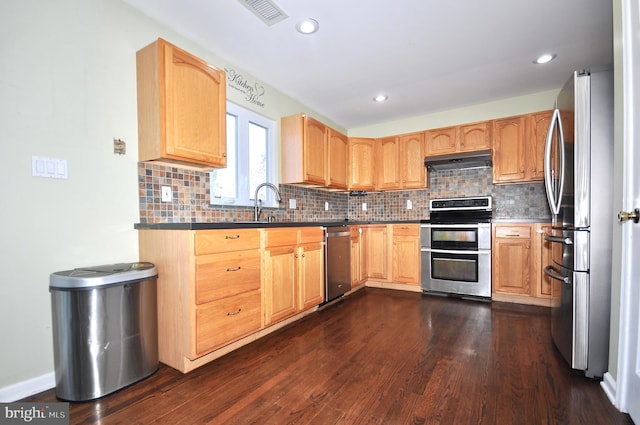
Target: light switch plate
{"type": "Point", "coordinates": [409, 204]}
{"type": "Point", "coordinates": [364, 206]}
{"type": "Point", "coordinates": [53, 168]}
{"type": "Point", "coordinates": [292, 204]}
{"type": "Point", "coordinates": [326, 206]}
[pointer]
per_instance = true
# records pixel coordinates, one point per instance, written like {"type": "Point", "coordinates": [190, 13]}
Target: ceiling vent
{"type": "Point", "coordinates": [266, 10]}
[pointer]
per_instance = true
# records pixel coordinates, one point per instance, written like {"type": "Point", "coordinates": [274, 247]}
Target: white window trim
{"type": "Point", "coordinates": [246, 116]}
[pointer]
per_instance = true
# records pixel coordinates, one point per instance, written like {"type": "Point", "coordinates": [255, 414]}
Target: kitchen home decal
{"type": "Point", "coordinates": [252, 92]}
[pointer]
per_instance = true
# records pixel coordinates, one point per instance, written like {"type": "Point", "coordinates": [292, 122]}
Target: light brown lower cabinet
{"type": "Point", "coordinates": [377, 252]}
{"type": "Point", "coordinates": [519, 254]}
{"type": "Point", "coordinates": [220, 289]}
{"type": "Point", "coordinates": [294, 271]}
{"type": "Point", "coordinates": [405, 251]}
{"type": "Point", "coordinates": [392, 254]}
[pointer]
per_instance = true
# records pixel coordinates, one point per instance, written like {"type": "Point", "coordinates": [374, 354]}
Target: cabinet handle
{"type": "Point", "coordinates": [232, 237]}
{"type": "Point", "coordinates": [233, 269]}
{"type": "Point", "coordinates": [513, 235]}
{"type": "Point", "coordinates": [233, 313]}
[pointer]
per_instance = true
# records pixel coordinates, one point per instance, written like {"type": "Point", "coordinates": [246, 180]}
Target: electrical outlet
{"type": "Point", "coordinates": [409, 204]}
{"type": "Point", "coordinates": [326, 206]}
{"type": "Point", "coordinates": [364, 206]}
{"type": "Point", "coordinates": [292, 204]}
{"type": "Point", "coordinates": [166, 193]}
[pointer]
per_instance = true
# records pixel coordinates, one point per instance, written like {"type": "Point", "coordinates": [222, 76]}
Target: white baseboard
{"type": "Point", "coordinates": [27, 388]}
{"type": "Point", "coordinates": [609, 386]}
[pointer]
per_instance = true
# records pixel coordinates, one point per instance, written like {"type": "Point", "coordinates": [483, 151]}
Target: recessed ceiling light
{"type": "Point", "coordinates": [546, 58]}
{"type": "Point", "coordinates": [381, 98]}
{"type": "Point", "coordinates": [308, 26]}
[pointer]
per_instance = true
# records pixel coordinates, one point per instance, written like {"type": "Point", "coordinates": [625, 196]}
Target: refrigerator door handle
{"type": "Point", "coordinates": [566, 241]}
{"type": "Point", "coordinates": [553, 273]}
{"type": "Point", "coordinates": [554, 194]}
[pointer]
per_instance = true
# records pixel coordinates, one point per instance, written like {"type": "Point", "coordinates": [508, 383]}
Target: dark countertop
{"type": "Point", "coordinates": [261, 224]}
{"type": "Point", "coordinates": [520, 220]}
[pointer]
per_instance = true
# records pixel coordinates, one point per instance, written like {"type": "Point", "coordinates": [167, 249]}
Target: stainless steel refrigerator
{"type": "Point", "coordinates": [578, 172]}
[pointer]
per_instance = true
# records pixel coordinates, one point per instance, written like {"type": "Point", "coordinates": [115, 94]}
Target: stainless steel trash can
{"type": "Point", "coordinates": [105, 331]}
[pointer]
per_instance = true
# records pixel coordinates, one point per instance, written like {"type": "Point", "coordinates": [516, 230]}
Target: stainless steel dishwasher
{"type": "Point", "coordinates": [337, 262]}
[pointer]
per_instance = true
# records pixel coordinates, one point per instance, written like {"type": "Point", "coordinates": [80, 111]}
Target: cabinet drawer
{"type": "Point", "coordinates": [406, 229]}
{"type": "Point", "coordinates": [221, 322]}
{"type": "Point", "coordinates": [214, 241]}
{"type": "Point", "coordinates": [223, 275]}
{"type": "Point", "coordinates": [311, 234]}
{"type": "Point", "coordinates": [281, 237]}
{"type": "Point", "coordinates": [513, 231]}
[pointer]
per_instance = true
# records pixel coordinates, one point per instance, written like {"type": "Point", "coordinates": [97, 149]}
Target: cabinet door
{"type": "Point", "coordinates": [537, 137]}
{"type": "Point", "coordinates": [355, 256]}
{"type": "Point", "coordinates": [475, 137]}
{"type": "Point", "coordinates": [512, 259]}
{"type": "Point", "coordinates": [338, 151]}
{"type": "Point", "coordinates": [377, 252]}
{"type": "Point", "coordinates": [195, 114]}
{"type": "Point", "coordinates": [361, 164]}
{"type": "Point", "coordinates": [441, 141]}
{"type": "Point", "coordinates": [388, 174]}
{"type": "Point", "coordinates": [412, 161]}
{"type": "Point", "coordinates": [314, 151]}
{"type": "Point", "coordinates": [542, 258]}
{"type": "Point", "coordinates": [363, 255]}
{"type": "Point", "coordinates": [406, 255]}
{"type": "Point", "coordinates": [509, 149]}
{"type": "Point", "coordinates": [280, 295]}
{"type": "Point", "coordinates": [310, 275]}
{"type": "Point", "coordinates": [181, 107]}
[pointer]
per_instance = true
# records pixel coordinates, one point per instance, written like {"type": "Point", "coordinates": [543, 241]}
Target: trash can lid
{"type": "Point", "coordinates": [96, 276]}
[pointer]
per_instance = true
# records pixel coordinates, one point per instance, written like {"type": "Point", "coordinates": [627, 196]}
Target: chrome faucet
{"type": "Point", "coordinates": [257, 203]}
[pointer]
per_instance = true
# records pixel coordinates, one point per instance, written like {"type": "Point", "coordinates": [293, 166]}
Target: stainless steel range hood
{"type": "Point", "coordinates": [458, 161]}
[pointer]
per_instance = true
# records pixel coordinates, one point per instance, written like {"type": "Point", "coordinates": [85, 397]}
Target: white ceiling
{"type": "Point", "coordinates": [426, 55]}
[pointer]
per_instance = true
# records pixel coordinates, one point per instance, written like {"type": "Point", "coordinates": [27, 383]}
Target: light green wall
{"type": "Point", "coordinates": [502, 108]}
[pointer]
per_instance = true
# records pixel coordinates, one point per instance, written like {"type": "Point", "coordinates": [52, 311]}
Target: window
{"type": "Point", "coordinates": [250, 160]}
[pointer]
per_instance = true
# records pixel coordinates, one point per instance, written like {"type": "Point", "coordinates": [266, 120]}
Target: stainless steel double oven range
{"type": "Point", "coordinates": [456, 247]}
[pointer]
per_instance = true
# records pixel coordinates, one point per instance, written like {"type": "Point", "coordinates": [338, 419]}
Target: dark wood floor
{"type": "Point", "coordinates": [378, 357]}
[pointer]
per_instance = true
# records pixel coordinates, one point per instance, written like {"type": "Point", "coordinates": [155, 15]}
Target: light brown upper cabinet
{"type": "Point", "coordinates": [462, 138]}
{"type": "Point", "coordinates": [338, 154]}
{"type": "Point", "coordinates": [537, 137]}
{"type": "Point", "coordinates": [181, 108]}
{"type": "Point", "coordinates": [509, 149]}
{"type": "Point", "coordinates": [312, 153]}
{"type": "Point", "coordinates": [442, 141]}
{"type": "Point", "coordinates": [387, 157]}
{"type": "Point", "coordinates": [400, 162]}
{"type": "Point", "coordinates": [474, 137]}
{"type": "Point", "coordinates": [518, 147]}
{"type": "Point", "coordinates": [413, 173]}
{"type": "Point", "coordinates": [361, 164]}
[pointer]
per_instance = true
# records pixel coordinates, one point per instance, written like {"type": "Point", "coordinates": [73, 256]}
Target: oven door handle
{"type": "Point", "coordinates": [456, 251]}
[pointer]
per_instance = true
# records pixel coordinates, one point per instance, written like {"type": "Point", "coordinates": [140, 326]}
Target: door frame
{"type": "Point", "coordinates": [624, 393]}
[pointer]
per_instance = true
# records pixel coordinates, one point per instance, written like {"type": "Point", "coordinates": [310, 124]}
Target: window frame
{"type": "Point", "coordinates": [244, 118]}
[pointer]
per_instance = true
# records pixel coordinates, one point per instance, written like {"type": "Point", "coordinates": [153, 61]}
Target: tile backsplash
{"type": "Point", "coordinates": [190, 199]}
